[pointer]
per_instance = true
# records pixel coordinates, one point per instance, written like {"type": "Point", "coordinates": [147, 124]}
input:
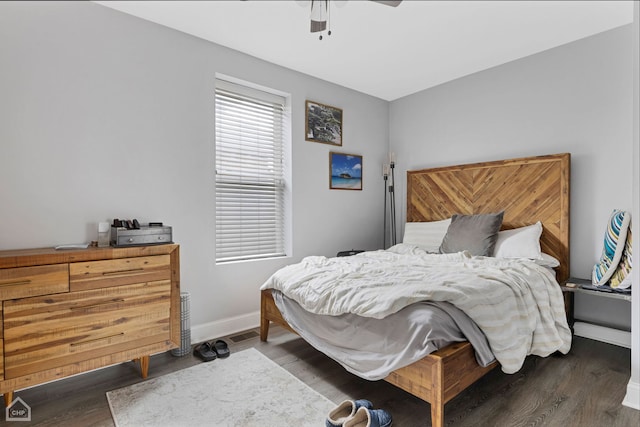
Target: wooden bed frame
{"type": "Point", "coordinates": [528, 190]}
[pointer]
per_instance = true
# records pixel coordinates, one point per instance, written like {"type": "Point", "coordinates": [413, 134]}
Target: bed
{"type": "Point", "coordinates": [527, 190]}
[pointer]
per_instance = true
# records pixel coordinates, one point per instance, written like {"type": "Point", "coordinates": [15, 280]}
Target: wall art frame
{"type": "Point", "coordinates": [323, 123]}
{"type": "Point", "coordinates": [345, 171]}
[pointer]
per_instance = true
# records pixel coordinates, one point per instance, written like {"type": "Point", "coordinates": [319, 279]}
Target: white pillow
{"type": "Point", "coordinates": [426, 235]}
{"type": "Point", "coordinates": [547, 261]}
{"type": "Point", "coordinates": [523, 242]}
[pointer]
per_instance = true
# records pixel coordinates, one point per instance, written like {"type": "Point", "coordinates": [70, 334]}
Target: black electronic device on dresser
{"type": "Point", "coordinates": [131, 233]}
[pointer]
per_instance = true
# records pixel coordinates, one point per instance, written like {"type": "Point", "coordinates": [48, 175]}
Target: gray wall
{"type": "Point", "coordinates": [104, 115]}
{"type": "Point", "coordinates": [632, 397]}
{"type": "Point", "coordinates": [576, 98]}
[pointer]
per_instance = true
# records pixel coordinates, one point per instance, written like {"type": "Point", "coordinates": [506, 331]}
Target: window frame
{"type": "Point", "coordinates": [266, 185]}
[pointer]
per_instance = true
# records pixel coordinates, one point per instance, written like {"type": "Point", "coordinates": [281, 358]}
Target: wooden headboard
{"type": "Point", "coordinates": [527, 189]}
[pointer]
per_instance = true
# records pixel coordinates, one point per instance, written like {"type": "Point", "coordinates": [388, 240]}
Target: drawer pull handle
{"type": "Point", "coordinates": [134, 270]}
{"type": "Point", "coordinates": [22, 282]}
{"type": "Point", "coordinates": [84, 307]}
{"type": "Point", "coordinates": [73, 344]}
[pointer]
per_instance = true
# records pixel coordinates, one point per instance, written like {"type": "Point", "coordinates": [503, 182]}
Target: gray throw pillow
{"type": "Point", "coordinates": [474, 233]}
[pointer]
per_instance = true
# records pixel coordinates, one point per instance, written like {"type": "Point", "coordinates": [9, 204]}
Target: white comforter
{"type": "Point", "coordinates": [517, 304]}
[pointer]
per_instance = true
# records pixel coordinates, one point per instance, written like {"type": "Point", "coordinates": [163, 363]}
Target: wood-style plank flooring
{"type": "Point", "coordinates": [584, 388]}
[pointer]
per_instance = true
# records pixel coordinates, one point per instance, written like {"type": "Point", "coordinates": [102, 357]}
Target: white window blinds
{"type": "Point", "coordinates": [249, 173]}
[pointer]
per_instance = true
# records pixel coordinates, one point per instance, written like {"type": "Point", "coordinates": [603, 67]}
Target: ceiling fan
{"type": "Point", "coordinates": [320, 14]}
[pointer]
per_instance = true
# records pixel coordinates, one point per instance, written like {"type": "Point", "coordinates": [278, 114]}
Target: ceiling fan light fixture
{"type": "Point", "coordinates": [319, 13]}
{"type": "Point", "coordinates": [318, 26]}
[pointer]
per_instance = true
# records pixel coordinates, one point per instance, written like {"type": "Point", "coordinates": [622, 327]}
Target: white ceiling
{"type": "Point", "coordinates": [384, 51]}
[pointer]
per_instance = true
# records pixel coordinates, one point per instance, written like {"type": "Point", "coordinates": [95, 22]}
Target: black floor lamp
{"type": "Point", "coordinates": [389, 186]}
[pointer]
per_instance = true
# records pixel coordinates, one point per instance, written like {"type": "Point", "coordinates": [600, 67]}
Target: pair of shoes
{"type": "Point", "coordinates": [345, 411]}
{"type": "Point", "coordinates": [208, 351]}
{"type": "Point", "coordinates": [370, 418]}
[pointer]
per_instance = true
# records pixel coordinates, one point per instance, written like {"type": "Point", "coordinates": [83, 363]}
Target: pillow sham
{"type": "Point", "coordinates": [547, 260]}
{"type": "Point", "coordinates": [426, 235]}
{"type": "Point", "coordinates": [474, 233]}
{"type": "Point", "coordinates": [615, 237]}
{"type": "Point", "coordinates": [622, 276]}
{"type": "Point", "coordinates": [523, 242]}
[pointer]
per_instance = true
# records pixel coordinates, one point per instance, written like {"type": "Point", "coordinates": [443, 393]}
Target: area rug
{"type": "Point", "coordinates": [246, 389]}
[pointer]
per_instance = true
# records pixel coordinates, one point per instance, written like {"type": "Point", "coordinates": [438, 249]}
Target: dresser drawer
{"type": "Point", "coordinates": [32, 281]}
{"type": "Point", "coordinates": [118, 272]}
{"type": "Point", "coordinates": [46, 332]}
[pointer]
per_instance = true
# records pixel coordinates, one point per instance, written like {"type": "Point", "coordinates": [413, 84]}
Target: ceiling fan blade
{"type": "Point", "coordinates": [393, 3]}
{"type": "Point", "coordinates": [319, 15]}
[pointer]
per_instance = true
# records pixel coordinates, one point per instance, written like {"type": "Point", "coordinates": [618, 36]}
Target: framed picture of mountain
{"type": "Point", "coordinates": [345, 171]}
{"type": "Point", "coordinates": [323, 123]}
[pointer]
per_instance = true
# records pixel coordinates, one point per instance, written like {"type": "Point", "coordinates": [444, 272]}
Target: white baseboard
{"type": "Point", "coordinates": [602, 333]}
{"type": "Point", "coordinates": [632, 398]}
{"type": "Point", "coordinates": [221, 328]}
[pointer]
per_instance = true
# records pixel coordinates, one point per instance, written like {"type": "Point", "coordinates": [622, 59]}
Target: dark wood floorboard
{"type": "Point", "coordinates": [584, 388]}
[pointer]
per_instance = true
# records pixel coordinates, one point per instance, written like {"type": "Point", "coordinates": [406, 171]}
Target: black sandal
{"type": "Point", "coordinates": [205, 352]}
{"type": "Point", "coordinates": [221, 348]}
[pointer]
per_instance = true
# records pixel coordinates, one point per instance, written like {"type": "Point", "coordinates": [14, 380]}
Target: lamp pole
{"type": "Point", "coordinates": [385, 176]}
{"type": "Point", "coordinates": [392, 198]}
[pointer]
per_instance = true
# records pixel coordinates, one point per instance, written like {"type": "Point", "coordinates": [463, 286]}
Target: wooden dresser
{"type": "Point", "coordinates": [63, 312]}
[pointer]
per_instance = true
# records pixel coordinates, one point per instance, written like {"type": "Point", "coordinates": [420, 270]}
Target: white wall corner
{"type": "Point", "coordinates": [632, 398]}
{"type": "Point", "coordinates": [221, 328]}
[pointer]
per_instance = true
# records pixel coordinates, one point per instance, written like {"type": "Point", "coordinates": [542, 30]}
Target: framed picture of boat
{"type": "Point", "coordinates": [345, 171]}
{"type": "Point", "coordinates": [323, 123]}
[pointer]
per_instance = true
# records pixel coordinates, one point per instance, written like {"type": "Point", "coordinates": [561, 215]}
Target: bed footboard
{"type": "Point", "coordinates": [440, 376]}
{"type": "Point", "coordinates": [436, 378]}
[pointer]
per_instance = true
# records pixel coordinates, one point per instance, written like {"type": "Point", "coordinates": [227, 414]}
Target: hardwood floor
{"type": "Point", "coordinates": [583, 388]}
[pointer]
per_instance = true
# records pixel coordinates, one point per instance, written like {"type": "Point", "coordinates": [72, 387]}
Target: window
{"type": "Point", "coordinates": [250, 180]}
